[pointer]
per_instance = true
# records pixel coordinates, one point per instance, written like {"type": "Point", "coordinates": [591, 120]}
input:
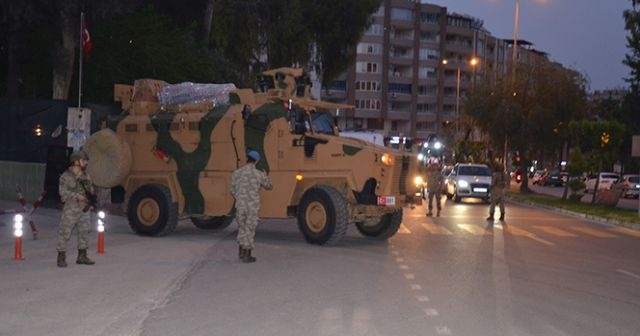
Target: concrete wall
{"type": "Point", "coordinates": [28, 176]}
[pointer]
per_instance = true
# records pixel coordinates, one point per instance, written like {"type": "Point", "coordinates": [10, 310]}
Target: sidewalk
{"type": "Point", "coordinates": [134, 276]}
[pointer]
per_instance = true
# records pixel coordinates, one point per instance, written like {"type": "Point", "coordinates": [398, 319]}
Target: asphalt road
{"type": "Point", "coordinates": [538, 273]}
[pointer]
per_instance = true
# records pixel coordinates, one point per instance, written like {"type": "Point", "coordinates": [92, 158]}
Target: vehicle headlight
{"type": "Point", "coordinates": [420, 157]}
{"type": "Point", "coordinates": [387, 159]}
{"type": "Point", "coordinates": [418, 180]}
{"type": "Point", "coordinates": [463, 184]}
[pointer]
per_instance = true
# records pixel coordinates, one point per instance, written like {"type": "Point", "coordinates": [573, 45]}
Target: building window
{"type": "Point", "coordinates": [427, 72]}
{"type": "Point", "coordinates": [427, 90]}
{"type": "Point", "coordinates": [401, 14]}
{"type": "Point", "coordinates": [367, 67]}
{"type": "Point", "coordinates": [369, 48]}
{"type": "Point", "coordinates": [375, 29]}
{"type": "Point", "coordinates": [430, 36]}
{"type": "Point", "coordinates": [428, 53]}
{"type": "Point", "coordinates": [425, 108]}
{"type": "Point", "coordinates": [425, 126]}
{"type": "Point", "coordinates": [433, 18]}
{"type": "Point", "coordinates": [400, 88]}
{"type": "Point", "coordinates": [358, 123]}
{"type": "Point", "coordinates": [375, 123]}
{"type": "Point", "coordinates": [338, 85]}
{"type": "Point", "coordinates": [368, 104]}
{"type": "Point", "coordinates": [368, 86]}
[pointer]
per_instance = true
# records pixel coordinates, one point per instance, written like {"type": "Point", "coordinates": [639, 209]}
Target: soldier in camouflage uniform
{"type": "Point", "coordinates": [245, 188]}
{"type": "Point", "coordinates": [499, 182]}
{"type": "Point", "coordinates": [74, 185]}
{"type": "Point", "coordinates": [434, 187]}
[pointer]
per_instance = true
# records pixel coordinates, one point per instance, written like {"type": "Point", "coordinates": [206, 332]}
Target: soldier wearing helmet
{"type": "Point", "coordinates": [245, 188]}
{"type": "Point", "coordinates": [74, 185]}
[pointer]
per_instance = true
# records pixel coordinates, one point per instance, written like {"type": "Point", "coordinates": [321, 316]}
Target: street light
{"type": "Point", "coordinates": [473, 62]}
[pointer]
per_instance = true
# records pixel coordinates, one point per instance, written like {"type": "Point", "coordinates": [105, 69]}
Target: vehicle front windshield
{"type": "Point", "coordinates": [322, 122]}
{"type": "Point", "coordinates": [474, 171]}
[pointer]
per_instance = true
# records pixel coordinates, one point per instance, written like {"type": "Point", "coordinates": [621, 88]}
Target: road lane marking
{"type": "Point", "coordinates": [431, 312]}
{"type": "Point", "coordinates": [555, 231]}
{"type": "Point", "coordinates": [400, 259]}
{"type": "Point", "coordinates": [422, 298]}
{"type": "Point", "coordinates": [415, 287]}
{"type": "Point", "coordinates": [631, 274]}
{"type": "Point", "coordinates": [409, 276]}
{"type": "Point", "coordinates": [436, 229]}
{"type": "Point", "coordinates": [523, 233]}
{"type": "Point", "coordinates": [404, 230]}
{"type": "Point", "coordinates": [473, 229]}
{"type": "Point", "coordinates": [628, 232]}
{"type": "Point", "coordinates": [593, 232]}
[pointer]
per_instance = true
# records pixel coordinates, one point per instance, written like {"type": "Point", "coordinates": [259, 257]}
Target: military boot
{"type": "Point", "coordinates": [83, 259]}
{"type": "Point", "coordinates": [247, 258]}
{"type": "Point", "coordinates": [241, 252]}
{"type": "Point", "coordinates": [62, 259]}
{"type": "Point", "coordinates": [490, 218]}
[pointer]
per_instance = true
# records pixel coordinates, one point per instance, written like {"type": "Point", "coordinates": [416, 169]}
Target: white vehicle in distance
{"type": "Point", "coordinates": [469, 180]}
{"type": "Point", "coordinates": [630, 186]}
{"type": "Point", "coordinates": [606, 181]}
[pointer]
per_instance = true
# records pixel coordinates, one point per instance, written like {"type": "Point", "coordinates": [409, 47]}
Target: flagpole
{"type": "Point", "coordinates": [80, 64]}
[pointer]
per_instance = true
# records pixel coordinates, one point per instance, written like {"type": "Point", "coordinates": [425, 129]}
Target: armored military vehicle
{"type": "Point", "coordinates": [175, 161]}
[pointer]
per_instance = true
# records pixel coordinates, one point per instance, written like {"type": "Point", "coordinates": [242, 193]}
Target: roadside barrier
{"type": "Point", "coordinates": [26, 210]}
{"type": "Point", "coordinates": [101, 216]}
{"type": "Point", "coordinates": [17, 232]}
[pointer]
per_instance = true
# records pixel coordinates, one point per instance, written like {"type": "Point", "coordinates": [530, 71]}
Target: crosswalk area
{"type": "Point", "coordinates": [539, 233]}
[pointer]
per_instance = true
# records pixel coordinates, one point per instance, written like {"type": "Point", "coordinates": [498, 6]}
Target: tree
{"type": "Point", "coordinates": [529, 112]}
{"type": "Point", "coordinates": [148, 45]}
{"type": "Point", "coordinates": [632, 60]}
{"type": "Point", "coordinates": [256, 35]}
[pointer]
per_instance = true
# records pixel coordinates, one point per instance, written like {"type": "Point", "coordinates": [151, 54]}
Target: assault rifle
{"type": "Point", "coordinates": [92, 199]}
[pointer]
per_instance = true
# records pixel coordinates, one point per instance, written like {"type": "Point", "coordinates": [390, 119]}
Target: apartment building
{"type": "Point", "coordinates": [413, 68]}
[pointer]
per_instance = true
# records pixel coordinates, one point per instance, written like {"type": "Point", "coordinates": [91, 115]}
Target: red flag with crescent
{"type": "Point", "coordinates": [86, 41]}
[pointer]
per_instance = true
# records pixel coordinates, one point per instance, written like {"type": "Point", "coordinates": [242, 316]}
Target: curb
{"type": "Point", "coordinates": [591, 218]}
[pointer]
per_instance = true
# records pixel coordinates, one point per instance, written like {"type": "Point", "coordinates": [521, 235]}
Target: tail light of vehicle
{"type": "Point", "coordinates": [518, 177]}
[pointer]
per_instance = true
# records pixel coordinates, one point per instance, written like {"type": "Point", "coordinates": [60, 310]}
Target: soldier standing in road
{"type": "Point", "coordinates": [499, 182]}
{"type": "Point", "coordinates": [245, 188]}
{"type": "Point", "coordinates": [74, 185]}
{"type": "Point", "coordinates": [434, 187]}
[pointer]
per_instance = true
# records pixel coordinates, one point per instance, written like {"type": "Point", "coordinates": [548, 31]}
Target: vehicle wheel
{"type": "Point", "coordinates": [322, 215]}
{"type": "Point", "coordinates": [151, 211]}
{"type": "Point", "coordinates": [211, 222]}
{"type": "Point", "coordinates": [386, 227]}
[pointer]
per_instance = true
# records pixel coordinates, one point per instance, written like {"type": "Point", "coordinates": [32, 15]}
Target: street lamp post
{"type": "Point", "coordinates": [473, 62]}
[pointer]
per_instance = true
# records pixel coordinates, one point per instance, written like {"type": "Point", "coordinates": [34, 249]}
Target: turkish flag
{"type": "Point", "coordinates": [86, 41]}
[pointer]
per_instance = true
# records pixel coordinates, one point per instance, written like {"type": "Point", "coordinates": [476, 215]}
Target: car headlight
{"type": "Point", "coordinates": [418, 180]}
{"type": "Point", "coordinates": [463, 184]}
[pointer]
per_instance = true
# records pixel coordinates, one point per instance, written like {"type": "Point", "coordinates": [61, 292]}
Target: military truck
{"type": "Point", "coordinates": [175, 162]}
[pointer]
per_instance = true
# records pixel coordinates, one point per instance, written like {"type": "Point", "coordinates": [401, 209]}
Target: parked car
{"type": "Point", "coordinates": [552, 179]}
{"type": "Point", "coordinates": [606, 181]}
{"type": "Point", "coordinates": [537, 175]}
{"type": "Point", "coordinates": [630, 186]}
{"type": "Point", "coordinates": [469, 180]}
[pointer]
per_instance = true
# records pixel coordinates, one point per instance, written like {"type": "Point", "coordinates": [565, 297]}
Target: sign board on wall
{"type": "Point", "coordinates": [78, 127]}
{"type": "Point", "coordinates": [635, 146]}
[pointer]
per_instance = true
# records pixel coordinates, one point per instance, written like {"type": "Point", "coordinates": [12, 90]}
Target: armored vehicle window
{"type": "Point", "coordinates": [130, 128]}
{"type": "Point", "coordinates": [322, 123]}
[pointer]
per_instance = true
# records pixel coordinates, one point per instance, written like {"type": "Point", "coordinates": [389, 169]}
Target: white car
{"type": "Point", "coordinates": [606, 181]}
{"type": "Point", "coordinates": [630, 186]}
{"type": "Point", "coordinates": [469, 180]}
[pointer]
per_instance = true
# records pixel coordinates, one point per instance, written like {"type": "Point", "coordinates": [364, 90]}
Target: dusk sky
{"type": "Point", "coordinates": [586, 35]}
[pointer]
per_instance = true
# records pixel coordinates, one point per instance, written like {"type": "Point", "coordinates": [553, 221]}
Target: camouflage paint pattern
{"type": "Point", "coordinates": [70, 188]}
{"type": "Point", "coordinates": [498, 184]}
{"type": "Point", "coordinates": [246, 182]}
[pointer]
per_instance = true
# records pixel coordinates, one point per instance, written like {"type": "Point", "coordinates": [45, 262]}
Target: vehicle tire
{"type": "Point", "coordinates": [386, 227]}
{"type": "Point", "coordinates": [151, 211]}
{"type": "Point", "coordinates": [211, 222]}
{"type": "Point", "coordinates": [322, 215]}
